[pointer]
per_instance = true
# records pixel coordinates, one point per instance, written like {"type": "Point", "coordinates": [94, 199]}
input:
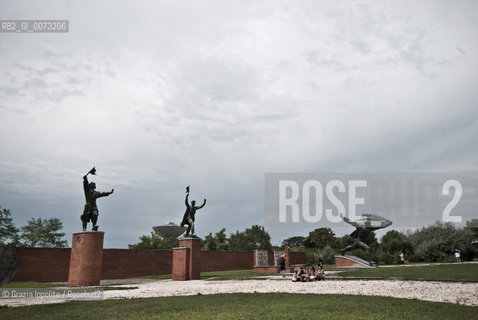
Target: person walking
{"type": "Point", "coordinates": [458, 255]}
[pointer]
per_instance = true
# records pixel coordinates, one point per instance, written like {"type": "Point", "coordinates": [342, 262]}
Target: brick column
{"type": "Point", "coordinates": [286, 254]}
{"type": "Point", "coordinates": [180, 263]}
{"type": "Point", "coordinates": [194, 257]}
{"type": "Point", "coordinates": [86, 259]}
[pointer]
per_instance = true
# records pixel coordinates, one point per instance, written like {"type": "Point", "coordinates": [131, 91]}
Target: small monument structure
{"type": "Point", "coordinates": [262, 264]}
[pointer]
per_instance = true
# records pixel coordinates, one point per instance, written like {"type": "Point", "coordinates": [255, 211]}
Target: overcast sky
{"type": "Point", "coordinates": [214, 94]}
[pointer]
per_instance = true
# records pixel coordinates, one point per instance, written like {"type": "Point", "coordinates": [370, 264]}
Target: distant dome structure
{"type": "Point", "coordinates": [169, 230]}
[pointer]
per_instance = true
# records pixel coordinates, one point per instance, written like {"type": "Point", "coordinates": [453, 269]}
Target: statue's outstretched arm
{"type": "Point", "coordinates": [203, 204]}
{"type": "Point", "coordinates": [385, 224]}
{"type": "Point", "coordinates": [85, 183]}
{"type": "Point", "coordinates": [355, 224]}
{"type": "Point", "coordinates": [186, 201]}
{"type": "Point", "coordinates": [105, 194]}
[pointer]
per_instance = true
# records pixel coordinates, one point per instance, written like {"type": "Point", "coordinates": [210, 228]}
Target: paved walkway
{"type": "Point", "coordinates": [452, 292]}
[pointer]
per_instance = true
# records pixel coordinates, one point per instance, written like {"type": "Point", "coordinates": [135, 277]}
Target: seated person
{"type": "Point", "coordinates": [302, 274]}
{"type": "Point", "coordinates": [320, 274]}
{"type": "Point", "coordinates": [295, 277]}
{"type": "Point", "coordinates": [312, 274]}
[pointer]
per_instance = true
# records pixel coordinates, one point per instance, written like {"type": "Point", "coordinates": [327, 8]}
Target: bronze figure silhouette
{"type": "Point", "coordinates": [362, 232]}
{"type": "Point", "coordinates": [90, 212]}
{"type": "Point", "coordinates": [189, 215]}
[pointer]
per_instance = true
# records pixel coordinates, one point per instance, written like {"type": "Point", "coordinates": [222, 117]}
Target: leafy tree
{"type": "Point", "coordinates": [217, 242]}
{"type": "Point", "coordinates": [209, 242]}
{"type": "Point", "coordinates": [155, 241]}
{"type": "Point", "coordinates": [250, 239]}
{"type": "Point", "coordinates": [8, 231]}
{"type": "Point", "coordinates": [328, 254]}
{"type": "Point", "coordinates": [472, 226]}
{"type": "Point", "coordinates": [342, 242]}
{"type": "Point", "coordinates": [437, 243]}
{"type": "Point", "coordinates": [43, 233]}
{"type": "Point", "coordinates": [319, 238]}
{"type": "Point", "coordinates": [394, 241]}
{"type": "Point", "coordinates": [297, 241]}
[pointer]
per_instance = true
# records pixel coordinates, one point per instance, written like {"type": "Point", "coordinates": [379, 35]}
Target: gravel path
{"type": "Point", "coordinates": [452, 292]}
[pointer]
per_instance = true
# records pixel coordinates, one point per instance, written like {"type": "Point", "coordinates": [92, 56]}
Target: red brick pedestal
{"type": "Point", "coordinates": [86, 259]}
{"type": "Point", "coordinates": [351, 261]}
{"type": "Point", "coordinates": [286, 255]}
{"type": "Point", "coordinates": [187, 259]}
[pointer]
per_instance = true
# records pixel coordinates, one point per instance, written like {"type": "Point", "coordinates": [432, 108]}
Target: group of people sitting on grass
{"type": "Point", "coordinates": [308, 274]}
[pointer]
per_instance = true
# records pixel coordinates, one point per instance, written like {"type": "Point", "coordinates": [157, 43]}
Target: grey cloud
{"type": "Point", "coordinates": [13, 110]}
{"type": "Point", "coordinates": [214, 94]}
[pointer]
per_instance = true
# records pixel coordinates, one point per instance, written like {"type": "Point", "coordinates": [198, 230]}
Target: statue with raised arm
{"type": "Point", "coordinates": [363, 229]}
{"type": "Point", "coordinates": [189, 215]}
{"type": "Point", "coordinates": [90, 212]}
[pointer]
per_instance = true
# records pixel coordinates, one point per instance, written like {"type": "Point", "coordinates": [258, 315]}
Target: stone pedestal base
{"type": "Point", "coordinates": [86, 259]}
{"type": "Point", "coordinates": [352, 261]}
{"type": "Point", "coordinates": [187, 259]}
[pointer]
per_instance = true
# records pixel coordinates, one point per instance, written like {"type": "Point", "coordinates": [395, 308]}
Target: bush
{"type": "Point", "coordinates": [384, 257]}
{"type": "Point", "coordinates": [437, 243]}
{"type": "Point", "coordinates": [311, 257]}
{"type": "Point", "coordinates": [328, 255]}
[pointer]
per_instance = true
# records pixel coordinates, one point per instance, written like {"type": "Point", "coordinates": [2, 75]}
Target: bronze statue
{"type": "Point", "coordinates": [189, 215]}
{"type": "Point", "coordinates": [90, 212]}
{"type": "Point", "coordinates": [362, 232]}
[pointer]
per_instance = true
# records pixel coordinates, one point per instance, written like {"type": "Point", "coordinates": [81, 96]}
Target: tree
{"type": "Point", "coordinates": [43, 233]}
{"type": "Point", "coordinates": [327, 254]}
{"type": "Point", "coordinates": [297, 241]}
{"type": "Point", "coordinates": [319, 238]}
{"type": "Point", "coordinates": [393, 242]}
{"type": "Point", "coordinates": [155, 241]}
{"type": "Point", "coordinates": [472, 226]}
{"type": "Point", "coordinates": [217, 242]}
{"type": "Point", "coordinates": [437, 243]}
{"type": "Point", "coordinates": [250, 239]}
{"type": "Point", "coordinates": [343, 242]}
{"type": "Point", "coordinates": [8, 231]}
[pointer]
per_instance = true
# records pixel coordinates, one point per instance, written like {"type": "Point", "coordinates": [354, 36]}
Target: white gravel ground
{"type": "Point", "coordinates": [452, 292]}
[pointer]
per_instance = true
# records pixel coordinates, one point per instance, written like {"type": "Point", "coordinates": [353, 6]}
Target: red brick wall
{"type": "Point", "coordinates": [269, 269]}
{"type": "Point", "coordinates": [52, 265]}
{"type": "Point", "coordinates": [296, 258]}
{"type": "Point", "coordinates": [44, 265]}
{"type": "Point", "coordinates": [126, 263]}
{"type": "Point", "coordinates": [226, 260]}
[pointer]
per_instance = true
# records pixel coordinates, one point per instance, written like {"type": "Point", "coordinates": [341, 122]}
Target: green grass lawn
{"type": "Point", "coordinates": [233, 274]}
{"type": "Point", "coordinates": [247, 306]}
{"type": "Point", "coordinates": [31, 284]}
{"type": "Point", "coordinates": [457, 272]}
{"type": "Point", "coordinates": [219, 275]}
